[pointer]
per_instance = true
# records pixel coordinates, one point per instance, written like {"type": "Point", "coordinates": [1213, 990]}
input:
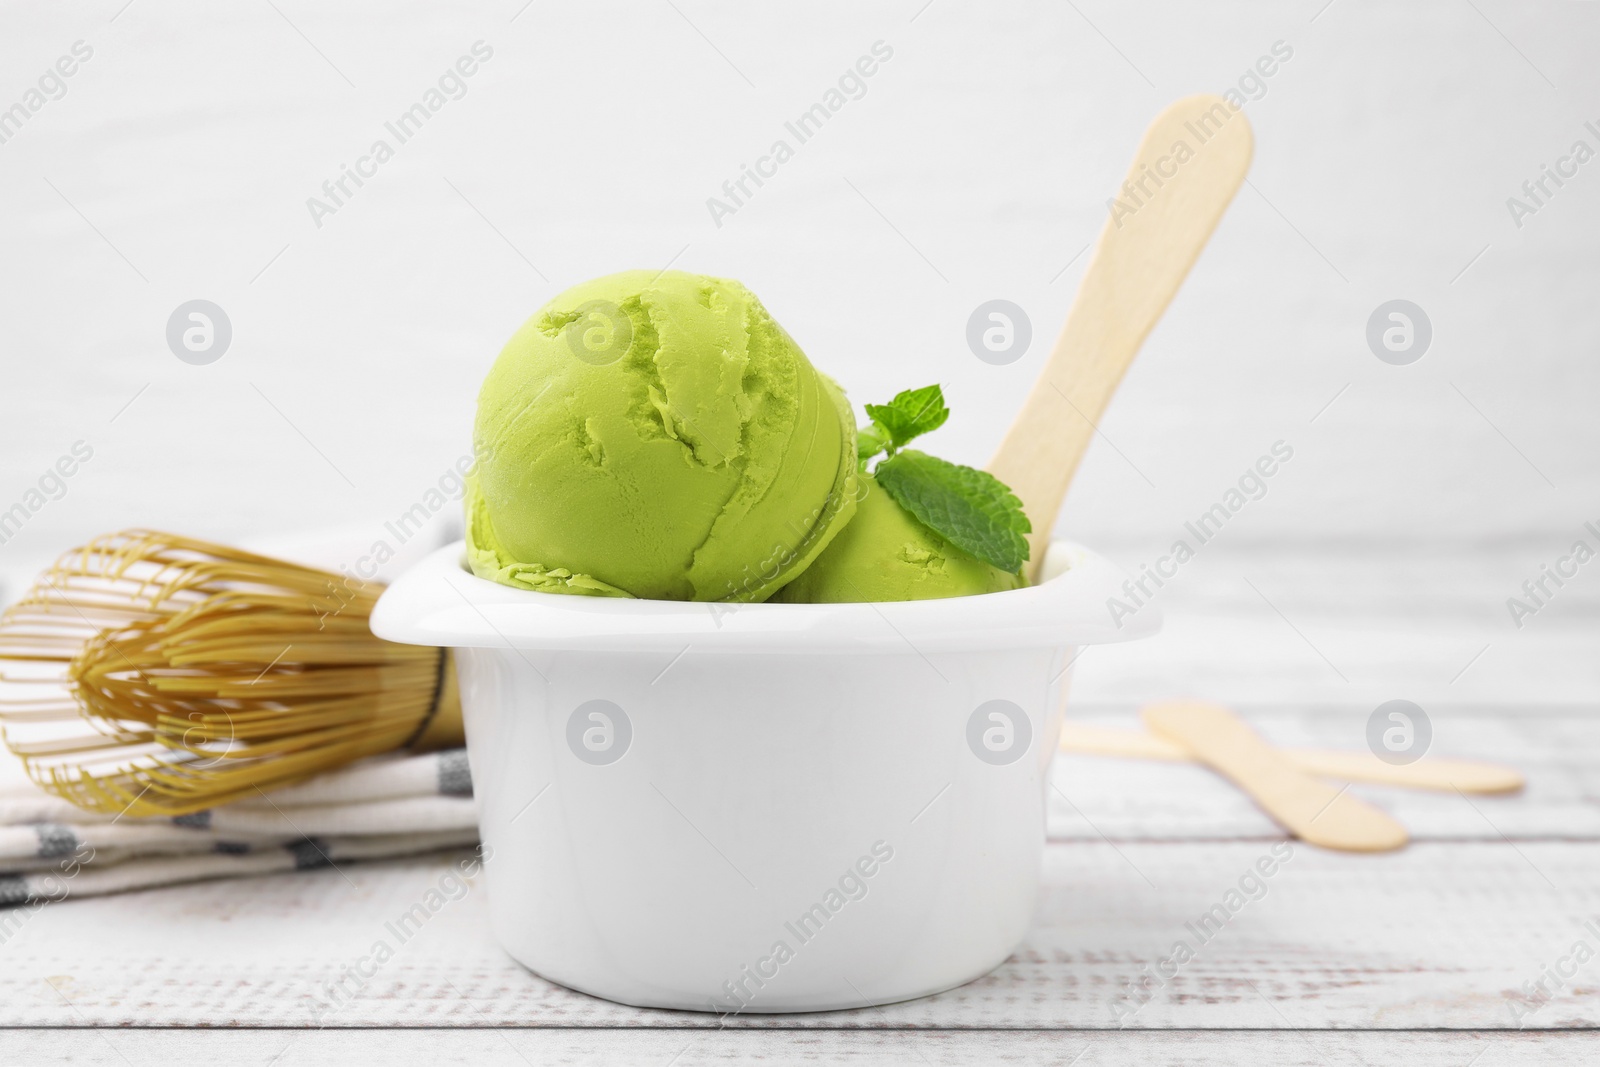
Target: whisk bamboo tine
{"type": "Point", "coordinates": [198, 673]}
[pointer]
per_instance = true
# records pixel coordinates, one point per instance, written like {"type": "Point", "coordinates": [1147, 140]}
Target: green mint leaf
{"type": "Point", "coordinates": [909, 415]}
{"type": "Point", "coordinates": [870, 441]}
{"type": "Point", "coordinates": [971, 509]}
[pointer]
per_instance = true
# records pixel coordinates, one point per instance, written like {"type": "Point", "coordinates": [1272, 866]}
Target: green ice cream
{"type": "Point", "coordinates": [659, 436]}
{"type": "Point", "coordinates": [887, 554]}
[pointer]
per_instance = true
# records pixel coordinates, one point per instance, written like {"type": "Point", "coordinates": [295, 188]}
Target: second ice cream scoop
{"type": "Point", "coordinates": [886, 554]}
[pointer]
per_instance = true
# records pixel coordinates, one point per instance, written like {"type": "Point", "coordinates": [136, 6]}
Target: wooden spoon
{"type": "Point", "coordinates": [1190, 163]}
{"type": "Point", "coordinates": [1307, 807]}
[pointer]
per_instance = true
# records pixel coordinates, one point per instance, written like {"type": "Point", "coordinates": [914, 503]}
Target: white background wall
{"type": "Point", "coordinates": [179, 162]}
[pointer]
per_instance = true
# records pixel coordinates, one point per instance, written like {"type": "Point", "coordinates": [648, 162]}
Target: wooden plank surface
{"type": "Point", "coordinates": [1333, 626]}
{"type": "Point", "coordinates": [1439, 935]}
{"type": "Point", "coordinates": [512, 1047]}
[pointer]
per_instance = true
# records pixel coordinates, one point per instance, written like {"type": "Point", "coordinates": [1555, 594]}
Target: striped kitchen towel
{"type": "Point", "coordinates": [393, 805]}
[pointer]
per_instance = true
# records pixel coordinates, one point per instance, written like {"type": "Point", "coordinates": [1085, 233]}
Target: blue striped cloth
{"type": "Point", "coordinates": [389, 806]}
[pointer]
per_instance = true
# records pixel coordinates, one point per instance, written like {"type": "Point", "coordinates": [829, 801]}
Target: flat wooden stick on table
{"type": "Point", "coordinates": [1445, 775]}
{"type": "Point", "coordinates": [1307, 807]}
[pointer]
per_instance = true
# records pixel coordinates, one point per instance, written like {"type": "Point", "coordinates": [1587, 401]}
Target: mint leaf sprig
{"type": "Point", "coordinates": [971, 509]}
{"type": "Point", "coordinates": [909, 415]}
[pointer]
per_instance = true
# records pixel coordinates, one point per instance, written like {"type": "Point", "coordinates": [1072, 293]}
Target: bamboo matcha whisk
{"type": "Point", "coordinates": [151, 674]}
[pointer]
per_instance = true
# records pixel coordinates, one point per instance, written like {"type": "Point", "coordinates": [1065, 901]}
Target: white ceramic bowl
{"type": "Point", "coordinates": [764, 807]}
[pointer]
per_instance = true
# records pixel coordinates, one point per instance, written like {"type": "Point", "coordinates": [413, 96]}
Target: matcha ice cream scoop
{"type": "Point", "coordinates": [887, 554]}
{"type": "Point", "coordinates": [657, 435]}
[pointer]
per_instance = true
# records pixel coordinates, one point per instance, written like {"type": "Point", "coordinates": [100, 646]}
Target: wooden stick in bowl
{"type": "Point", "coordinates": [1192, 160]}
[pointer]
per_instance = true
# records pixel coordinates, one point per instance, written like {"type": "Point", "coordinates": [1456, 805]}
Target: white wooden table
{"type": "Point", "coordinates": [1409, 957]}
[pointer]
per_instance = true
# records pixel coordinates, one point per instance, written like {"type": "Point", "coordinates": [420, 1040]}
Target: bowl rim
{"type": "Point", "coordinates": [440, 602]}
